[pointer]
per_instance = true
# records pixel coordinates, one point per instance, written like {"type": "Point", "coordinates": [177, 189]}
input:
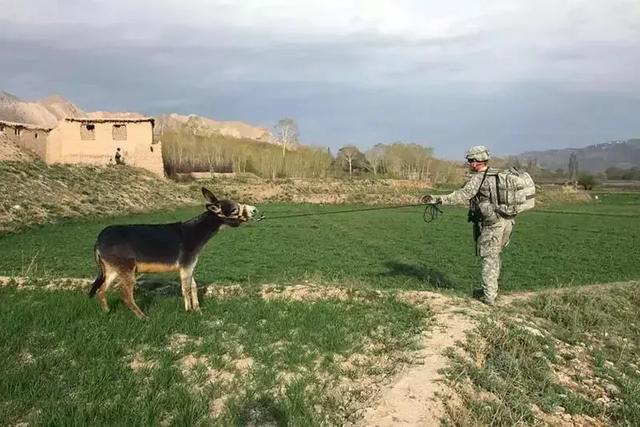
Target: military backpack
{"type": "Point", "coordinates": [515, 191]}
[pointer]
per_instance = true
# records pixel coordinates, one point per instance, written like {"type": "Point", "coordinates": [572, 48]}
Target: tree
{"type": "Point", "coordinates": [587, 181]}
{"type": "Point", "coordinates": [376, 157]}
{"type": "Point", "coordinates": [409, 161]}
{"type": "Point", "coordinates": [573, 168]}
{"type": "Point", "coordinates": [286, 134]}
{"type": "Point", "coordinates": [349, 159]}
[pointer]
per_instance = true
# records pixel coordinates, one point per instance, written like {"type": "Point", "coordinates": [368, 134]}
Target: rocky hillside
{"type": "Point", "coordinates": [11, 151]}
{"type": "Point", "coordinates": [203, 126]}
{"type": "Point", "coordinates": [594, 158]}
{"type": "Point", "coordinates": [45, 112]}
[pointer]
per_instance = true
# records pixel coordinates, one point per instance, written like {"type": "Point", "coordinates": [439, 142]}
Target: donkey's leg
{"type": "Point", "coordinates": [194, 295]}
{"type": "Point", "coordinates": [110, 276]}
{"type": "Point", "coordinates": [195, 304]}
{"type": "Point", "coordinates": [128, 281]}
{"type": "Point", "coordinates": [185, 283]}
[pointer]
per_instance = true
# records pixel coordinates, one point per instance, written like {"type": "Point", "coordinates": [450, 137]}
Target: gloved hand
{"type": "Point", "coordinates": [428, 199]}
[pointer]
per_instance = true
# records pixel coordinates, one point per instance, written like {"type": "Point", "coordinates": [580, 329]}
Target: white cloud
{"type": "Point", "coordinates": [501, 41]}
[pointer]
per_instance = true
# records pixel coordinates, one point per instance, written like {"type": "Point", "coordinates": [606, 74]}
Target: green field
{"type": "Point", "coordinates": [251, 360]}
{"type": "Point", "coordinates": [567, 245]}
{"type": "Point", "coordinates": [244, 360]}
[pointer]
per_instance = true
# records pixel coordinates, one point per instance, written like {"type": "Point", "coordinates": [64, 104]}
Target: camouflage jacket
{"type": "Point", "coordinates": [479, 193]}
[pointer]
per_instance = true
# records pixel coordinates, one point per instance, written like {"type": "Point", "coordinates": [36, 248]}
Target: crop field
{"type": "Point", "coordinates": [245, 360]}
{"type": "Point", "coordinates": [253, 358]}
{"type": "Point", "coordinates": [383, 249]}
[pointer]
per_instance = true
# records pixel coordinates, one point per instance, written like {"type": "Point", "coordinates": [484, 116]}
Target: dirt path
{"type": "Point", "coordinates": [412, 398]}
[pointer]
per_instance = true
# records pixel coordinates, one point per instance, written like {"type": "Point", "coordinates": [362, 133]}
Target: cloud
{"type": "Point", "coordinates": [354, 70]}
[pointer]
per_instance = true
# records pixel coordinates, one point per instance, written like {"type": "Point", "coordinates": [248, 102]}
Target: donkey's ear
{"type": "Point", "coordinates": [209, 196]}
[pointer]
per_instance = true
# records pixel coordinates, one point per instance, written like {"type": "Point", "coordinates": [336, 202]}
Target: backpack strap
{"type": "Point", "coordinates": [482, 182]}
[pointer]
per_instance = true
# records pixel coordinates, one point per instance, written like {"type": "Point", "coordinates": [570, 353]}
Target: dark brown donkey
{"type": "Point", "coordinates": [121, 251]}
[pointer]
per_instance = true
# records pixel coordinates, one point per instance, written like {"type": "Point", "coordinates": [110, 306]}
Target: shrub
{"type": "Point", "coordinates": [587, 181]}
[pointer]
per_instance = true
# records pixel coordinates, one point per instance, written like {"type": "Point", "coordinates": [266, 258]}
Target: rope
{"type": "Point", "coordinates": [431, 212]}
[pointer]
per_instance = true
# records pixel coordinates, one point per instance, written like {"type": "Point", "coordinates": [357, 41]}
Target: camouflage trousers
{"type": "Point", "coordinates": [493, 238]}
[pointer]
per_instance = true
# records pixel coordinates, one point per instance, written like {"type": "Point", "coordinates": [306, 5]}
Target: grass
{"type": "Point", "coordinates": [252, 361]}
{"type": "Point", "coordinates": [388, 249]}
{"type": "Point", "coordinates": [34, 193]}
{"type": "Point", "coordinates": [245, 361]}
{"type": "Point", "coordinates": [569, 355]}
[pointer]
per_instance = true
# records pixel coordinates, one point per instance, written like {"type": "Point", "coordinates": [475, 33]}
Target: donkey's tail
{"type": "Point", "coordinates": [100, 279]}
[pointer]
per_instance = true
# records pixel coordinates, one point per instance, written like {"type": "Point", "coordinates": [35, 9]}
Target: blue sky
{"type": "Point", "coordinates": [513, 75]}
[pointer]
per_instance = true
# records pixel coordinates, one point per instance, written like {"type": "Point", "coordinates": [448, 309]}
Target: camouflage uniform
{"type": "Point", "coordinates": [494, 230]}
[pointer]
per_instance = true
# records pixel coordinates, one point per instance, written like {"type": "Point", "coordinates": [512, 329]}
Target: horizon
{"type": "Point", "coordinates": [530, 76]}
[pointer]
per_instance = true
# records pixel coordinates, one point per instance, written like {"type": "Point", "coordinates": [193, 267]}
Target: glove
{"type": "Point", "coordinates": [428, 199]}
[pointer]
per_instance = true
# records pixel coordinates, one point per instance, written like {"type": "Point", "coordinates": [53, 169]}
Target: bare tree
{"type": "Point", "coordinates": [350, 158]}
{"type": "Point", "coordinates": [286, 133]}
{"type": "Point", "coordinates": [376, 157]}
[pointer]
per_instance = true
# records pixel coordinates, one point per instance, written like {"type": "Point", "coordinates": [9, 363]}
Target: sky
{"type": "Point", "coordinates": [514, 75]}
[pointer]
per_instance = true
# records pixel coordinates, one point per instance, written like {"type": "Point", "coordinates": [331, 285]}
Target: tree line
{"type": "Point", "coordinates": [184, 152]}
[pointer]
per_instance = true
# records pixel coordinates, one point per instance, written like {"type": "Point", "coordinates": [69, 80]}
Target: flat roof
{"type": "Point", "coordinates": [24, 125]}
{"type": "Point", "coordinates": [110, 119]}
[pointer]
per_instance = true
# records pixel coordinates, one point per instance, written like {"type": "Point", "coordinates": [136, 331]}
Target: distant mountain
{"type": "Point", "coordinates": [46, 112]}
{"type": "Point", "coordinates": [204, 126]}
{"type": "Point", "coordinates": [60, 107]}
{"type": "Point", "coordinates": [594, 158]}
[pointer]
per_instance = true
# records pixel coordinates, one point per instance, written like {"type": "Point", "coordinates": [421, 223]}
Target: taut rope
{"type": "Point", "coordinates": [431, 212]}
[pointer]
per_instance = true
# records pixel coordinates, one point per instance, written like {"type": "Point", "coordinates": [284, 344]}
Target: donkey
{"type": "Point", "coordinates": [121, 251]}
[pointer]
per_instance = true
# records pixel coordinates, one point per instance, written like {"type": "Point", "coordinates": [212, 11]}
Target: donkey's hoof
{"type": "Point", "coordinates": [142, 316]}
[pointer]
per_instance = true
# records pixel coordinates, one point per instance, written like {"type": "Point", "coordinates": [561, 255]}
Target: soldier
{"type": "Point", "coordinates": [491, 230]}
{"type": "Point", "coordinates": [119, 157]}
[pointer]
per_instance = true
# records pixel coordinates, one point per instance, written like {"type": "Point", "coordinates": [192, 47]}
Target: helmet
{"type": "Point", "coordinates": [478, 152]}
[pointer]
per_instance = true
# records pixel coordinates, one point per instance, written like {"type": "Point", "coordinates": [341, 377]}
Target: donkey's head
{"type": "Point", "coordinates": [229, 212]}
